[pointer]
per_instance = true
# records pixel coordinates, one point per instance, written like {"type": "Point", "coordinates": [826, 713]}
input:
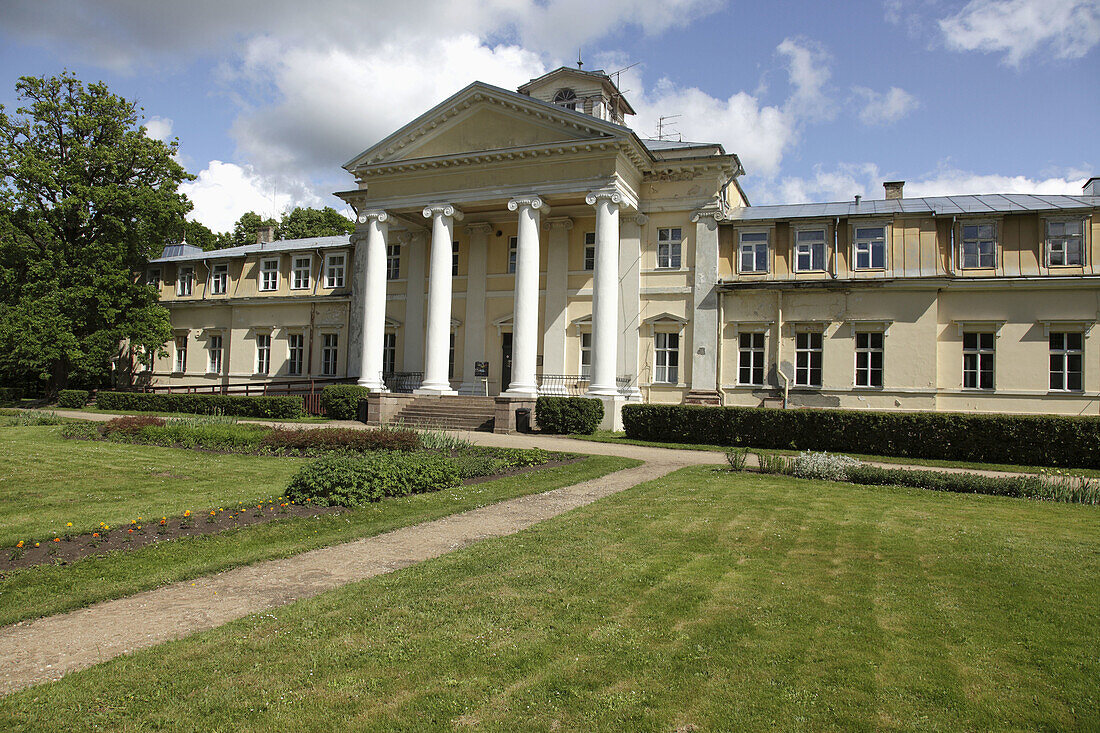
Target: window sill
{"type": "Point", "coordinates": [750, 273]}
{"type": "Point", "coordinates": [869, 269]}
{"type": "Point", "coordinates": [213, 374]}
{"type": "Point", "coordinates": [868, 388]}
{"type": "Point", "coordinates": [810, 272]}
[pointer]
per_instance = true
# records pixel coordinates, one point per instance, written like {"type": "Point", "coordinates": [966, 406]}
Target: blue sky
{"type": "Point", "coordinates": [822, 101]}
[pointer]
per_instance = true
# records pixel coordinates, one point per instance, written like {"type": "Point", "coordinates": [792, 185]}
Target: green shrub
{"type": "Point", "coordinates": [72, 399]}
{"type": "Point", "coordinates": [270, 407]}
{"type": "Point", "coordinates": [10, 394]}
{"type": "Point", "coordinates": [1071, 489]}
{"type": "Point", "coordinates": [129, 424]}
{"type": "Point", "coordinates": [355, 481]}
{"type": "Point", "coordinates": [963, 483]}
{"type": "Point", "coordinates": [80, 431]}
{"type": "Point", "coordinates": [341, 401]}
{"type": "Point", "coordinates": [1037, 440]}
{"type": "Point", "coordinates": [221, 438]}
{"type": "Point", "coordinates": [772, 463]}
{"type": "Point", "coordinates": [474, 465]}
{"type": "Point", "coordinates": [568, 415]}
{"type": "Point", "coordinates": [337, 439]}
{"type": "Point", "coordinates": [737, 457]}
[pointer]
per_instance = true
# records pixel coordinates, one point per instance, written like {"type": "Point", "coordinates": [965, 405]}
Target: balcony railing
{"type": "Point", "coordinates": [404, 382]}
{"type": "Point", "coordinates": [574, 385]}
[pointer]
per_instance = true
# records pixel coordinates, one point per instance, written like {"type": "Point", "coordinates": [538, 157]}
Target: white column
{"type": "Point", "coordinates": [555, 318]}
{"type": "Point", "coordinates": [525, 314]}
{"type": "Point", "coordinates": [438, 337]}
{"type": "Point", "coordinates": [373, 281]}
{"type": "Point", "coordinates": [474, 328]}
{"type": "Point", "coordinates": [605, 293]}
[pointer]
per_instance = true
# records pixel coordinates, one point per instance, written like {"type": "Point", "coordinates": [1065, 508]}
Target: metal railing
{"type": "Point", "coordinates": [563, 385]}
{"type": "Point", "coordinates": [308, 389]}
{"type": "Point", "coordinates": [404, 382]}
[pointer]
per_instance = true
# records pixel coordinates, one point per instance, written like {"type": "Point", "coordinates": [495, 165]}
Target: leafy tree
{"type": "Point", "coordinates": [85, 199]}
{"type": "Point", "coordinates": [301, 223]}
{"type": "Point", "coordinates": [200, 235]}
{"type": "Point", "coordinates": [244, 231]}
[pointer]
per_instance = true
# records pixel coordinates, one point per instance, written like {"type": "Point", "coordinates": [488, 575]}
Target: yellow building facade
{"type": "Point", "coordinates": [525, 243]}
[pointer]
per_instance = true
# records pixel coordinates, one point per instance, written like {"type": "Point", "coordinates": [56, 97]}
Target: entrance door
{"type": "Point", "coordinates": [505, 361]}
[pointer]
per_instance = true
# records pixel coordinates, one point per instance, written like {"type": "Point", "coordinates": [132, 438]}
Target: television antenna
{"type": "Point", "coordinates": [615, 74]}
{"type": "Point", "coordinates": [665, 130]}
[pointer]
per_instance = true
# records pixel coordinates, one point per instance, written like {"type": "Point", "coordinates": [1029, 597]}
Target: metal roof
{"type": "Point", "coordinates": [997, 203]}
{"type": "Point", "coordinates": [654, 144]}
{"type": "Point", "coordinates": [172, 254]}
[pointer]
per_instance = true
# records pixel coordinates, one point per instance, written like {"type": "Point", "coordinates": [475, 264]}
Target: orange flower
{"type": "Point", "coordinates": [130, 531]}
{"type": "Point", "coordinates": [187, 513]}
{"type": "Point", "coordinates": [212, 513]}
{"type": "Point", "coordinates": [69, 524]}
{"type": "Point", "coordinates": [56, 539]}
{"type": "Point", "coordinates": [95, 534]}
{"type": "Point", "coordinates": [20, 543]}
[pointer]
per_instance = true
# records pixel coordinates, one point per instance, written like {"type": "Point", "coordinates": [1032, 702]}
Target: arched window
{"type": "Point", "coordinates": [566, 98]}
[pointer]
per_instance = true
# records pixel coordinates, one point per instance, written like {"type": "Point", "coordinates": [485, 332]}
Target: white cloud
{"type": "Point", "coordinates": [950, 182]}
{"type": "Point", "coordinates": [1064, 29]}
{"type": "Point", "coordinates": [159, 128]}
{"type": "Point", "coordinates": [884, 108]}
{"type": "Point", "coordinates": [224, 191]}
{"type": "Point", "coordinates": [808, 67]}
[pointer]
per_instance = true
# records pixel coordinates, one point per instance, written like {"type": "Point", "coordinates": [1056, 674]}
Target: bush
{"type": "Point", "coordinates": [129, 424]}
{"type": "Point", "coordinates": [72, 399]}
{"type": "Point", "coordinates": [278, 408]}
{"type": "Point", "coordinates": [737, 457]}
{"type": "Point", "coordinates": [341, 401]}
{"type": "Point", "coordinates": [1037, 440]}
{"type": "Point", "coordinates": [963, 483]}
{"type": "Point", "coordinates": [772, 463]}
{"type": "Point", "coordinates": [26, 418]}
{"type": "Point", "coordinates": [221, 438]}
{"type": "Point", "coordinates": [354, 481]}
{"type": "Point", "coordinates": [337, 439]}
{"type": "Point", "coordinates": [568, 415]}
{"type": "Point", "coordinates": [10, 394]}
{"type": "Point", "coordinates": [823, 466]}
{"type": "Point", "coordinates": [80, 431]}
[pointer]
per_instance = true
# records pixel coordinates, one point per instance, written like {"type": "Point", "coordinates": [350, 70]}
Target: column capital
{"type": "Point", "coordinates": [611, 194]}
{"type": "Point", "coordinates": [559, 222]}
{"type": "Point", "coordinates": [641, 220]}
{"type": "Point", "coordinates": [479, 227]}
{"type": "Point", "coordinates": [712, 211]}
{"type": "Point", "coordinates": [381, 215]}
{"type": "Point", "coordinates": [443, 209]}
{"type": "Point", "coordinates": [533, 201]}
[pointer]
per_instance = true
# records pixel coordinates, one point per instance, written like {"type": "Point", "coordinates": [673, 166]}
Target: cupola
{"type": "Point", "coordinates": [590, 92]}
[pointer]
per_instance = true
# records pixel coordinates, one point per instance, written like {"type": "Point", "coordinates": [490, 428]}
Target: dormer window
{"type": "Point", "coordinates": [566, 98]}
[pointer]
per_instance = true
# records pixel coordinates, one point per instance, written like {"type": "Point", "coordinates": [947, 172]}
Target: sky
{"type": "Point", "coordinates": [821, 101]}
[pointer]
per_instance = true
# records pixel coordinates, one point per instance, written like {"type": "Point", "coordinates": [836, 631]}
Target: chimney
{"type": "Point", "coordinates": [893, 189]}
{"type": "Point", "coordinates": [265, 234]}
{"type": "Point", "coordinates": [858, 197]}
{"type": "Point", "coordinates": [1092, 187]}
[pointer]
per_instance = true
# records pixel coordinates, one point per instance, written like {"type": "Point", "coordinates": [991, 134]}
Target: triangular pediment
{"type": "Point", "coordinates": [484, 118]}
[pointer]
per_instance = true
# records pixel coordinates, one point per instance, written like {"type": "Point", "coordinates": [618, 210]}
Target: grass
{"type": "Point", "coordinates": [701, 601]}
{"type": "Point", "coordinates": [619, 437]}
{"type": "Point", "coordinates": [121, 484]}
{"type": "Point", "coordinates": [98, 411]}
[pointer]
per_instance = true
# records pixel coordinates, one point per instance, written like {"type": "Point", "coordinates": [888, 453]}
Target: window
{"type": "Point", "coordinates": [219, 279]}
{"type": "Point", "coordinates": [750, 358]}
{"type": "Point", "coordinates": [807, 353]}
{"type": "Point", "coordinates": [979, 245]}
{"type": "Point", "coordinates": [154, 279]}
{"type": "Point", "coordinates": [454, 259]}
{"type": "Point", "coordinates": [869, 358]}
{"type": "Point", "coordinates": [589, 251]}
{"type": "Point", "coordinates": [269, 275]}
{"type": "Point", "coordinates": [566, 98]}
{"type": "Point", "coordinates": [451, 357]}
{"type": "Point", "coordinates": [214, 349]}
{"type": "Point", "coordinates": [809, 250]}
{"type": "Point", "coordinates": [870, 248]}
{"type": "Point", "coordinates": [303, 267]}
{"type": "Point", "coordinates": [667, 346]}
{"type": "Point", "coordinates": [389, 353]}
{"type": "Point", "coordinates": [978, 354]}
{"type": "Point", "coordinates": [393, 261]}
{"type": "Point", "coordinates": [329, 349]}
{"type": "Point", "coordinates": [1065, 243]}
{"type": "Point", "coordinates": [334, 271]}
{"type": "Point", "coordinates": [295, 351]}
{"type": "Point", "coordinates": [512, 242]}
{"type": "Point", "coordinates": [586, 355]}
{"type": "Point", "coordinates": [263, 353]}
{"type": "Point", "coordinates": [668, 248]}
{"type": "Point", "coordinates": [185, 281]}
{"type": "Point", "coordinates": [754, 252]}
{"type": "Point", "coordinates": [181, 354]}
{"type": "Point", "coordinates": [1066, 361]}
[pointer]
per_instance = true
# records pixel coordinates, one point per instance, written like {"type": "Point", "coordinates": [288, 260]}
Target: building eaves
{"type": "Point", "coordinates": [282, 245]}
{"type": "Point", "coordinates": [969, 205]}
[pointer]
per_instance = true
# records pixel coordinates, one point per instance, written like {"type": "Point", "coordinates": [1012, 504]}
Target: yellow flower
{"type": "Point", "coordinates": [20, 543]}
{"type": "Point", "coordinates": [187, 513]}
{"type": "Point", "coordinates": [69, 524]}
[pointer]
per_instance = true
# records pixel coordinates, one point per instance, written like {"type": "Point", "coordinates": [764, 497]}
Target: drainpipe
{"type": "Point", "coordinates": [779, 346]}
{"type": "Point", "coordinates": [836, 232]}
{"type": "Point", "coordinates": [206, 283]}
{"type": "Point", "coordinates": [951, 259]}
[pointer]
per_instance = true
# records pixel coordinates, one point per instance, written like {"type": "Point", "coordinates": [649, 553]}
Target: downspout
{"type": "Point", "coordinates": [951, 258]}
{"type": "Point", "coordinates": [779, 346]}
{"type": "Point", "coordinates": [836, 233]}
{"type": "Point", "coordinates": [313, 313]}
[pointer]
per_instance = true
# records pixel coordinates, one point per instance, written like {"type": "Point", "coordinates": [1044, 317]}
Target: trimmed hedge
{"type": "Point", "coordinates": [72, 399]}
{"type": "Point", "coordinates": [348, 481]}
{"type": "Point", "coordinates": [288, 407]}
{"type": "Point", "coordinates": [568, 415]}
{"type": "Point", "coordinates": [341, 401]}
{"type": "Point", "coordinates": [340, 439]}
{"type": "Point", "coordinates": [960, 483]}
{"type": "Point", "coordinates": [1030, 440]}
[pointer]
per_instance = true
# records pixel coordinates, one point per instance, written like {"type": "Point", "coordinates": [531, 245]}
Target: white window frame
{"type": "Point", "coordinates": [219, 278]}
{"type": "Point", "coordinates": [867, 243]}
{"type": "Point", "coordinates": [756, 353]}
{"type": "Point", "coordinates": [666, 372]}
{"type": "Point", "coordinates": [295, 366]}
{"type": "Point", "coordinates": [393, 261]}
{"type": "Point", "coordinates": [585, 355]}
{"type": "Point", "coordinates": [269, 285]}
{"type": "Point", "coordinates": [185, 281]}
{"type": "Point", "coordinates": [330, 354]}
{"type": "Point", "coordinates": [984, 360]}
{"type": "Point", "coordinates": [153, 278]}
{"type": "Point", "coordinates": [513, 246]}
{"type": "Point", "coordinates": [297, 282]}
{"type": "Point", "coordinates": [753, 247]}
{"type": "Point", "coordinates": [803, 372]}
{"type": "Point", "coordinates": [215, 351]}
{"type": "Point", "coordinates": [1065, 353]}
{"type": "Point", "coordinates": [978, 240]}
{"type": "Point", "coordinates": [588, 264]}
{"type": "Point", "coordinates": [799, 248]}
{"type": "Point", "coordinates": [263, 353]}
{"type": "Point", "coordinates": [670, 248]}
{"type": "Point", "coordinates": [334, 273]}
{"type": "Point", "coordinates": [180, 360]}
{"type": "Point", "coordinates": [1064, 240]}
{"type": "Point", "coordinates": [864, 356]}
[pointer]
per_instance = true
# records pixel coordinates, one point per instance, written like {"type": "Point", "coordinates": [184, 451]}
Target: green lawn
{"type": "Point", "coordinates": [619, 438]}
{"type": "Point", "coordinates": [721, 601]}
{"type": "Point", "coordinates": [98, 411]}
{"type": "Point", "coordinates": [47, 480]}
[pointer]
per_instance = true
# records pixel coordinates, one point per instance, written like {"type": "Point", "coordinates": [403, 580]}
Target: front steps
{"type": "Point", "coordinates": [448, 413]}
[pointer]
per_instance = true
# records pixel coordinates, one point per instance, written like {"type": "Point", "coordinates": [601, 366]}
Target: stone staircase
{"type": "Point", "coordinates": [449, 413]}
